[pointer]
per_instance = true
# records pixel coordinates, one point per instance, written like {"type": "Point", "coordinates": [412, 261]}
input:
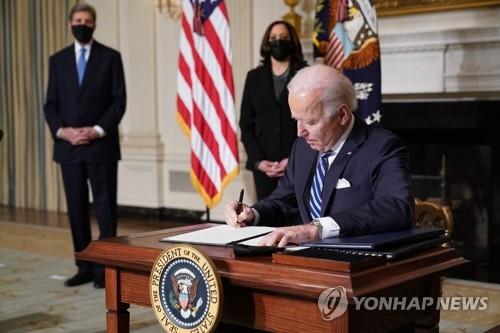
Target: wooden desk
{"type": "Point", "coordinates": [274, 297]}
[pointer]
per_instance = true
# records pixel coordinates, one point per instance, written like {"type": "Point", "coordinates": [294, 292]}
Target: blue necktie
{"type": "Point", "coordinates": [80, 66]}
{"type": "Point", "coordinates": [317, 185]}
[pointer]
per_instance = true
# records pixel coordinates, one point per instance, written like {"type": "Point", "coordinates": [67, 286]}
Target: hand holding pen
{"type": "Point", "coordinates": [237, 214]}
{"type": "Point", "coordinates": [239, 208]}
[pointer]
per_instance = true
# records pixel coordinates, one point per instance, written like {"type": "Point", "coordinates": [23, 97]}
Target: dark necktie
{"type": "Point", "coordinates": [317, 185]}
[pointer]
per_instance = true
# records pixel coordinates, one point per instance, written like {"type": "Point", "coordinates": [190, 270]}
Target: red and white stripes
{"type": "Point", "coordinates": [335, 51]}
{"type": "Point", "coordinates": [205, 101]}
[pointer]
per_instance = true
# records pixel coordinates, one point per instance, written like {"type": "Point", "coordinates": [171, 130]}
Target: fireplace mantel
{"type": "Point", "coordinates": [458, 61]}
{"type": "Point", "coordinates": [450, 55]}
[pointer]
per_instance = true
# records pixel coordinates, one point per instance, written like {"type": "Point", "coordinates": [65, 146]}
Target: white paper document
{"type": "Point", "coordinates": [221, 235]}
{"type": "Point", "coordinates": [253, 241]}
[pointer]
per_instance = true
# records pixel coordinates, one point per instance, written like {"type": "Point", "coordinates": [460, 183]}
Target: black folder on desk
{"type": "Point", "coordinates": [391, 245]}
{"type": "Point", "coordinates": [379, 241]}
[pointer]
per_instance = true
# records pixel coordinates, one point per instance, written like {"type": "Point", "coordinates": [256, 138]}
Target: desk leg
{"type": "Point", "coordinates": [430, 324]}
{"type": "Point", "coordinates": [117, 317]}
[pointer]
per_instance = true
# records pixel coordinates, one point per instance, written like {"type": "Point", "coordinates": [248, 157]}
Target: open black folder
{"type": "Point", "coordinates": [241, 241]}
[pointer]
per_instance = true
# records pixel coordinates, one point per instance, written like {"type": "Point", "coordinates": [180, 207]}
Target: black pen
{"type": "Point", "coordinates": [239, 208]}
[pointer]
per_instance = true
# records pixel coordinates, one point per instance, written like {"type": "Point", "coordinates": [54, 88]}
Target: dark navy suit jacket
{"type": "Point", "coordinates": [99, 101]}
{"type": "Point", "coordinates": [373, 160]}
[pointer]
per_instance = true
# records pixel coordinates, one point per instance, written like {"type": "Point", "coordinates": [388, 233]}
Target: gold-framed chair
{"type": "Point", "coordinates": [431, 214]}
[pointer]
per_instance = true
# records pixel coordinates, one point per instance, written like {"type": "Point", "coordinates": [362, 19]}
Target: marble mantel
{"type": "Point", "coordinates": [461, 60]}
{"type": "Point", "coordinates": [451, 54]}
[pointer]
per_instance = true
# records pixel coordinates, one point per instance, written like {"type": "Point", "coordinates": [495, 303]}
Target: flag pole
{"type": "Point", "coordinates": [208, 213]}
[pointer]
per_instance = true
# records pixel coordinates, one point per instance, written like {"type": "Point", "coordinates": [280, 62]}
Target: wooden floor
{"type": "Point", "coordinates": [48, 233]}
{"type": "Point", "coordinates": [60, 220]}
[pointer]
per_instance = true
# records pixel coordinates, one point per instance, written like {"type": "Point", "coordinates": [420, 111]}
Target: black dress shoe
{"type": "Point", "coordinates": [99, 284]}
{"type": "Point", "coordinates": [78, 279]}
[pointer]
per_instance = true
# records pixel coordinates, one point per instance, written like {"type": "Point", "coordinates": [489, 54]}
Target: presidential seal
{"type": "Point", "coordinates": [185, 290]}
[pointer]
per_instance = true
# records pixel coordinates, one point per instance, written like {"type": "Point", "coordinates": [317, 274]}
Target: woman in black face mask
{"type": "Point", "coordinates": [267, 128]}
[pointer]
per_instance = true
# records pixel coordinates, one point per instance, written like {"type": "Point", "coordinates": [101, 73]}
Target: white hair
{"type": "Point", "coordinates": [332, 86]}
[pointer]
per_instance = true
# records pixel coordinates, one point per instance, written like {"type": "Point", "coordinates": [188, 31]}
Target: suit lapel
{"type": "Point", "coordinates": [92, 65]}
{"type": "Point", "coordinates": [70, 68]}
{"type": "Point", "coordinates": [267, 88]}
{"type": "Point", "coordinates": [309, 163]}
{"type": "Point", "coordinates": [350, 147]}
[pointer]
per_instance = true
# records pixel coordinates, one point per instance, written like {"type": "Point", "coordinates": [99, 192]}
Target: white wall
{"type": "Point", "coordinates": [155, 165]}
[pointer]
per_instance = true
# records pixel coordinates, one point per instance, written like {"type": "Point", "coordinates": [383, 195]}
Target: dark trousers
{"type": "Point", "coordinates": [103, 183]}
{"type": "Point", "coordinates": [264, 185]}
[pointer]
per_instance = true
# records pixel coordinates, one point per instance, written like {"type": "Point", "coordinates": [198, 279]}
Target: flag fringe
{"type": "Point", "coordinates": [212, 202]}
{"type": "Point", "coordinates": [185, 128]}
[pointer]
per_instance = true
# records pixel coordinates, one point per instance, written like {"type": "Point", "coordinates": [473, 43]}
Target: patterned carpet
{"type": "Point", "coordinates": [33, 299]}
{"type": "Point", "coordinates": [34, 262]}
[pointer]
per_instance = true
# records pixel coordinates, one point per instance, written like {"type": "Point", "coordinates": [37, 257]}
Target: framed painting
{"type": "Point", "coordinates": [402, 7]}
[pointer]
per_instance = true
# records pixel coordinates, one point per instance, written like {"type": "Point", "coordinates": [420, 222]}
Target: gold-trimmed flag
{"type": "Point", "coordinates": [345, 36]}
{"type": "Point", "coordinates": [205, 97]}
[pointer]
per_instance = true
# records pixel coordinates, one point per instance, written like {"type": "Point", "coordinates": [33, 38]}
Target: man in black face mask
{"type": "Point", "coordinates": [85, 103]}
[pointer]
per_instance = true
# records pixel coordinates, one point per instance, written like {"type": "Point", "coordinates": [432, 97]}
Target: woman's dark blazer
{"type": "Point", "coordinates": [267, 128]}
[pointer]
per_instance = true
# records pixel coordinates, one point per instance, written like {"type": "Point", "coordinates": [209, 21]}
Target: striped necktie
{"type": "Point", "coordinates": [80, 66]}
{"type": "Point", "coordinates": [317, 185]}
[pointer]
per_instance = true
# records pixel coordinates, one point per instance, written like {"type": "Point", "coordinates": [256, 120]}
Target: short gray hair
{"type": "Point", "coordinates": [82, 7]}
{"type": "Point", "coordinates": [333, 87]}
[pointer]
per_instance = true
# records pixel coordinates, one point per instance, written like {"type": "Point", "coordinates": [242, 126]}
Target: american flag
{"type": "Point", "coordinates": [205, 97]}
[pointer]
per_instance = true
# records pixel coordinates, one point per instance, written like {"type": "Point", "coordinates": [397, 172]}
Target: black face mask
{"type": "Point", "coordinates": [280, 49]}
{"type": "Point", "coordinates": [82, 33]}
